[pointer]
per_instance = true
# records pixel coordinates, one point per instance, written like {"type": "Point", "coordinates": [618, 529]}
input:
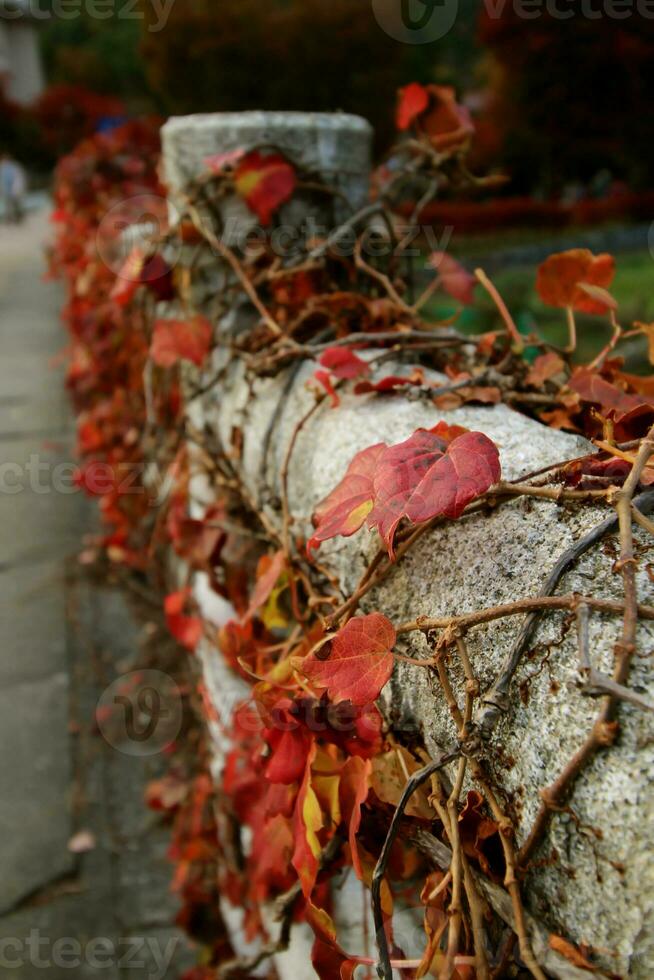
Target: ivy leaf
{"type": "Point", "coordinates": [390, 772]}
{"type": "Point", "coordinates": [264, 181]}
{"type": "Point", "coordinates": [324, 378]}
{"type": "Point", "coordinates": [307, 824]}
{"type": "Point", "coordinates": [592, 387]}
{"type": "Point", "coordinates": [561, 276]}
{"type": "Point", "coordinates": [391, 383]}
{"type": "Point", "coordinates": [545, 367]}
{"type": "Point", "coordinates": [347, 506]}
{"type": "Point", "coordinates": [269, 571]}
{"type": "Point", "coordinates": [175, 340]}
{"type": "Point", "coordinates": [141, 270]}
{"type": "Point", "coordinates": [359, 662]}
{"type": "Point", "coordinates": [413, 99]}
{"type": "Point", "coordinates": [448, 124]}
{"type": "Point", "coordinates": [328, 959]}
{"type": "Point", "coordinates": [343, 363]}
{"type": "Point", "coordinates": [571, 953]}
{"type": "Point", "coordinates": [187, 630]}
{"type": "Point", "coordinates": [354, 788]}
{"type": "Point", "coordinates": [436, 472]}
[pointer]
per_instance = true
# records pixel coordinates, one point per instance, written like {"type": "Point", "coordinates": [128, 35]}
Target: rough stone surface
{"type": "Point", "coordinates": [600, 890]}
{"type": "Point", "coordinates": [335, 146]}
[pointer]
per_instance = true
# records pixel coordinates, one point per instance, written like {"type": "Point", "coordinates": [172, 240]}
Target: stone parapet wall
{"type": "Point", "coordinates": [594, 885]}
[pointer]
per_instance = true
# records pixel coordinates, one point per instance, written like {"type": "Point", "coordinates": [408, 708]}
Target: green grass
{"type": "Point", "coordinates": [633, 288]}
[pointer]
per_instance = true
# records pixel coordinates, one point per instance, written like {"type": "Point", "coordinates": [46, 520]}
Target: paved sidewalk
{"type": "Point", "coordinates": [62, 641]}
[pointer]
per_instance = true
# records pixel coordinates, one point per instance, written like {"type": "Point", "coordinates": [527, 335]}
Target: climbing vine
{"type": "Point", "coordinates": [314, 771]}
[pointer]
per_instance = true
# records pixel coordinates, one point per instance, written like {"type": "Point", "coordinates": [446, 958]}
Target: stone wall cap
{"type": "Point", "coordinates": [264, 118]}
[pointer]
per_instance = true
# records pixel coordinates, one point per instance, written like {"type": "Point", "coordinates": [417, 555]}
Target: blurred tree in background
{"type": "Point", "coordinates": [560, 102]}
{"type": "Point", "coordinates": [572, 96]}
{"type": "Point", "coordinates": [285, 54]}
{"type": "Point", "coordinates": [98, 54]}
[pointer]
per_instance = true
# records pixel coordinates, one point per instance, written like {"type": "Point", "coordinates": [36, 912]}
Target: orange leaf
{"type": "Point", "coordinates": [353, 789]}
{"type": "Point", "coordinates": [268, 573]}
{"type": "Point", "coordinates": [570, 952]}
{"type": "Point", "coordinates": [264, 181]}
{"type": "Point", "coordinates": [545, 366]}
{"type": "Point", "coordinates": [390, 773]}
{"type": "Point", "coordinates": [328, 959]}
{"type": "Point", "coordinates": [593, 387]}
{"type": "Point", "coordinates": [174, 340]}
{"type": "Point", "coordinates": [561, 276]}
{"type": "Point", "coordinates": [413, 99]}
{"type": "Point", "coordinates": [307, 824]}
{"type": "Point", "coordinates": [448, 124]}
{"type": "Point", "coordinates": [359, 662]}
{"type": "Point", "coordinates": [187, 630]}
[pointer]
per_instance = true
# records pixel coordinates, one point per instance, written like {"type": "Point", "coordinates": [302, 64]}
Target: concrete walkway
{"type": "Point", "coordinates": [62, 642]}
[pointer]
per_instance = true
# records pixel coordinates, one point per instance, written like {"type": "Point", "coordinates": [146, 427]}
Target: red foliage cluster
{"type": "Point", "coordinates": [108, 342]}
{"type": "Point", "coordinates": [67, 114]}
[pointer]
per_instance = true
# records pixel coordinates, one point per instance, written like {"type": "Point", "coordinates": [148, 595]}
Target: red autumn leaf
{"type": "Point", "coordinates": [268, 573]}
{"type": "Point", "coordinates": [359, 662]}
{"type": "Point", "coordinates": [289, 750]}
{"type": "Point", "coordinates": [592, 387]}
{"type": "Point", "coordinates": [413, 99]}
{"type": "Point", "coordinates": [331, 962]}
{"type": "Point", "coordinates": [353, 791]}
{"type": "Point", "coordinates": [561, 275]}
{"type": "Point", "coordinates": [307, 823]}
{"type": "Point", "coordinates": [454, 278]}
{"type": "Point", "coordinates": [545, 367]}
{"type": "Point", "coordinates": [324, 378]}
{"type": "Point", "coordinates": [187, 630]}
{"type": "Point", "coordinates": [436, 472]}
{"type": "Point", "coordinates": [328, 959]}
{"type": "Point", "coordinates": [448, 124]}
{"type": "Point", "coordinates": [140, 270]}
{"type": "Point", "coordinates": [347, 506]}
{"type": "Point", "coordinates": [585, 473]}
{"type": "Point", "coordinates": [264, 181]}
{"type": "Point", "coordinates": [390, 383]}
{"type": "Point", "coordinates": [343, 362]}
{"type": "Point", "coordinates": [174, 340]}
